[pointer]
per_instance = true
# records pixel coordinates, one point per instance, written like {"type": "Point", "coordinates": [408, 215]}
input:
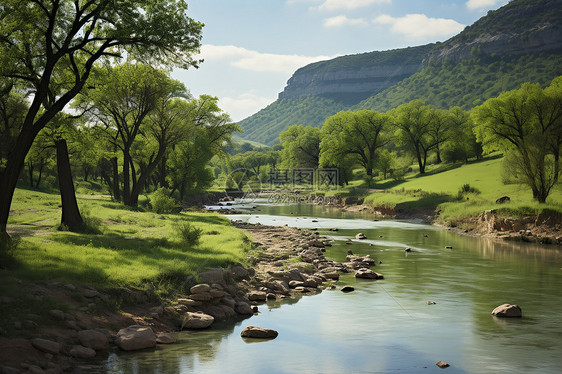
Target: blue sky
{"type": "Point", "coordinates": [252, 47]}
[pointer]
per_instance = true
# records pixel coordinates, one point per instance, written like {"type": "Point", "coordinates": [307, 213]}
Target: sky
{"type": "Point", "coordinates": [252, 47]}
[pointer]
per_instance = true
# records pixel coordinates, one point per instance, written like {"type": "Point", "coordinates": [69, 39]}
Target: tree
{"type": "Point", "coordinates": [138, 104]}
{"type": "Point", "coordinates": [208, 132]}
{"type": "Point", "coordinates": [358, 134]}
{"type": "Point", "coordinates": [462, 143]}
{"type": "Point", "coordinates": [527, 123]}
{"type": "Point", "coordinates": [50, 47]}
{"type": "Point", "coordinates": [414, 122]}
{"type": "Point", "coordinates": [301, 147]}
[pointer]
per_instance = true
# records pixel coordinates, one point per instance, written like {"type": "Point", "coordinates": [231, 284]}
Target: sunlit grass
{"type": "Point", "coordinates": [440, 190]}
{"type": "Point", "coordinates": [134, 248]}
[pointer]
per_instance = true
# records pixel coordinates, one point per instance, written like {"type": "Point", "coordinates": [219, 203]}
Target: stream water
{"type": "Point", "coordinates": [387, 326]}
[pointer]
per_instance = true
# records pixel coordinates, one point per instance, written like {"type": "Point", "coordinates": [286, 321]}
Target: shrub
{"type": "Point", "coordinates": [189, 234]}
{"type": "Point", "coordinates": [161, 202]}
{"type": "Point", "coordinates": [467, 189]}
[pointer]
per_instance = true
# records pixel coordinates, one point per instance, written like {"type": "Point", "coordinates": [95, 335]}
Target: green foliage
{"type": "Point", "coordinates": [467, 189]}
{"type": "Point", "coordinates": [266, 125]}
{"type": "Point", "coordinates": [189, 234]}
{"type": "Point", "coordinates": [161, 202]}
{"type": "Point", "coordinates": [136, 248]}
{"type": "Point", "coordinates": [468, 82]}
{"type": "Point", "coordinates": [356, 135]}
{"type": "Point", "coordinates": [528, 123]}
{"type": "Point", "coordinates": [301, 147]}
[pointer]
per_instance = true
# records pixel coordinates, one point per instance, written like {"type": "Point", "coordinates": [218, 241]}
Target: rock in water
{"type": "Point", "coordinates": [197, 321]}
{"type": "Point", "coordinates": [135, 337]}
{"type": "Point", "coordinates": [258, 333]}
{"type": "Point", "coordinates": [442, 364]}
{"type": "Point", "coordinates": [365, 273]}
{"type": "Point", "coordinates": [508, 311]}
{"type": "Point", "coordinates": [360, 236]}
{"type": "Point", "coordinates": [347, 289]}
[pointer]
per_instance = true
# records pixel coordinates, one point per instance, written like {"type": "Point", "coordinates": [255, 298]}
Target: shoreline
{"type": "Point", "coordinates": [286, 263]}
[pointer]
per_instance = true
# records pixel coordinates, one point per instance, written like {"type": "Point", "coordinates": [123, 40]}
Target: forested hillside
{"type": "Point", "coordinates": [520, 42]}
{"type": "Point", "coordinates": [469, 82]}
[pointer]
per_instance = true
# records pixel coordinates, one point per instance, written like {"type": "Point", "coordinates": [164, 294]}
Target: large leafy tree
{"type": "Point", "coordinates": [49, 48]}
{"type": "Point", "coordinates": [527, 123]}
{"type": "Point", "coordinates": [415, 123]}
{"type": "Point", "coordinates": [358, 134]}
{"type": "Point", "coordinates": [143, 114]}
{"type": "Point", "coordinates": [301, 147]}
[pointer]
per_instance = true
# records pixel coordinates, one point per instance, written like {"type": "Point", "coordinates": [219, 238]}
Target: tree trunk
{"type": "Point", "coordinates": [10, 176]}
{"type": "Point", "coordinates": [438, 155]}
{"type": "Point", "coordinates": [41, 166]}
{"type": "Point", "coordinates": [30, 173]}
{"type": "Point", "coordinates": [115, 169]}
{"type": "Point", "coordinates": [71, 217]}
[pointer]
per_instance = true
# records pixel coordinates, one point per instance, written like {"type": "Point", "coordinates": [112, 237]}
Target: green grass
{"type": "Point", "coordinates": [439, 188]}
{"type": "Point", "coordinates": [134, 249]}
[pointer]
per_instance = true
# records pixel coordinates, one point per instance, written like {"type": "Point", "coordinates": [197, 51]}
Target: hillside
{"type": "Point", "coordinates": [469, 82]}
{"type": "Point", "coordinates": [517, 43]}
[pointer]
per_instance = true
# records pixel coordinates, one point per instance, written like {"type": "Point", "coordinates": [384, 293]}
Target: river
{"type": "Point", "coordinates": [387, 326]}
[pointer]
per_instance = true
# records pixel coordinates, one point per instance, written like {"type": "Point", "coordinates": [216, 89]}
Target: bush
{"type": "Point", "coordinates": [161, 202]}
{"type": "Point", "coordinates": [189, 235]}
{"type": "Point", "coordinates": [467, 189]}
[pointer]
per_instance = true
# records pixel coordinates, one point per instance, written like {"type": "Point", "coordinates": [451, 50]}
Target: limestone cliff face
{"type": "Point", "coordinates": [353, 78]}
{"type": "Point", "coordinates": [520, 27]}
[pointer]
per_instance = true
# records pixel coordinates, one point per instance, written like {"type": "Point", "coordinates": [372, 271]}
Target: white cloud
{"type": "Point", "coordinates": [330, 5]}
{"type": "Point", "coordinates": [248, 102]}
{"type": "Point", "coordinates": [420, 26]}
{"type": "Point", "coordinates": [246, 59]}
{"type": "Point", "coordinates": [338, 21]}
{"type": "Point", "coordinates": [481, 4]}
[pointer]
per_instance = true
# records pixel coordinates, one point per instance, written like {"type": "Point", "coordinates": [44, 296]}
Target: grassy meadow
{"type": "Point", "coordinates": [440, 188]}
{"type": "Point", "coordinates": [130, 248]}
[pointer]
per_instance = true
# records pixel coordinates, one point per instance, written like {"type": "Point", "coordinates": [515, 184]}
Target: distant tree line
{"type": "Point", "coordinates": [525, 124]}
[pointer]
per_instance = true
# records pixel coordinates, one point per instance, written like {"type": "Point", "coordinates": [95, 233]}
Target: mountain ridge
{"type": "Point", "coordinates": [374, 79]}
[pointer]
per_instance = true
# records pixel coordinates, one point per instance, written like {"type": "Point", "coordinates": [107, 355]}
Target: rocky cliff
{"type": "Point", "coordinates": [350, 79]}
{"type": "Point", "coordinates": [521, 27]}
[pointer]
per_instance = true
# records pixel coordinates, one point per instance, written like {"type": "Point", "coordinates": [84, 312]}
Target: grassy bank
{"type": "Point", "coordinates": [126, 248]}
{"type": "Point", "coordinates": [440, 189]}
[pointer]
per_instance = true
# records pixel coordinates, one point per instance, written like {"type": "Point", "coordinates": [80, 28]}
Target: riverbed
{"type": "Point", "coordinates": [387, 326]}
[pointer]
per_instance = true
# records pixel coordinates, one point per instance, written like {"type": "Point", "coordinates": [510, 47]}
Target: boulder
{"type": "Point", "coordinates": [508, 311]}
{"type": "Point", "coordinates": [257, 296]}
{"type": "Point", "coordinates": [196, 321]}
{"type": "Point", "coordinates": [93, 339]}
{"type": "Point", "coordinates": [165, 338]}
{"type": "Point", "coordinates": [238, 273]}
{"type": "Point", "coordinates": [214, 276]}
{"type": "Point", "coordinates": [189, 302]}
{"type": "Point", "coordinates": [365, 273]}
{"type": "Point", "coordinates": [82, 352]}
{"type": "Point", "coordinates": [135, 337]}
{"type": "Point", "coordinates": [243, 308]}
{"type": "Point", "coordinates": [201, 296]}
{"type": "Point", "coordinates": [57, 314]}
{"type": "Point", "coordinates": [360, 236]}
{"type": "Point", "coordinates": [200, 288]}
{"type": "Point", "coordinates": [347, 289]}
{"type": "Point", "coordinates": [442, 364]}
{"type": "Point", "coordinates": [258, 333]}
{"type": "Point", "coordinates": [503, 199]}
{"type": "Point", "coordinates": [47, 346]}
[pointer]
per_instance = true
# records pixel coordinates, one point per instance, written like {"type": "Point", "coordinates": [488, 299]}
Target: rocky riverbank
{"type": "Point", "coordinates": [85, 326]}
{"type": "Point", "coordinates": [544, 228]}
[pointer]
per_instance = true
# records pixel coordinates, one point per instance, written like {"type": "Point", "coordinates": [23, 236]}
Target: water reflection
{"type": "Point", "coordinates": [387, 325]}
